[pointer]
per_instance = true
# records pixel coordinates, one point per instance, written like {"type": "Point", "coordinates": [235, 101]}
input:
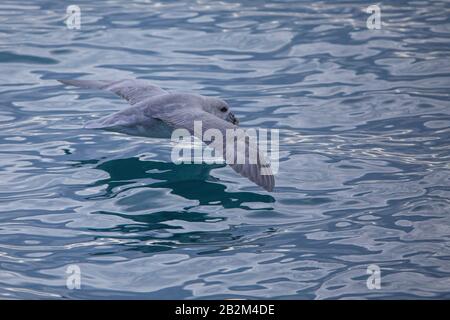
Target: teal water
{"type": "Point", "coordinates": [364, 120]}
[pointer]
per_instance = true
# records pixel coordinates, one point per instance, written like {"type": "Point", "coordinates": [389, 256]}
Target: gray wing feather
{"type": "Point", "coordinates": [260, 172]}
{"type": "Point", "coordinates": [133, 91]}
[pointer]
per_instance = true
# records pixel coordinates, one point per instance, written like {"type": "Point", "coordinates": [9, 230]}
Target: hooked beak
{"type": "Point", "coordinates": [231, 118]}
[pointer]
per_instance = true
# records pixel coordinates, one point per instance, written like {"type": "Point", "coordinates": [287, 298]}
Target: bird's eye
{"type": "Point", "coordinates": [224, 109]}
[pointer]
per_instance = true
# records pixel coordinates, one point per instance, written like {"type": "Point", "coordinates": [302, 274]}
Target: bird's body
{"type": "Point", "coordinates": [141, 118]}
{"type": "Point", "coordinates": [156, 113]}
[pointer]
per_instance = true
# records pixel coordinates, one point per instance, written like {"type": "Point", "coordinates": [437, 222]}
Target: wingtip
{"type": "Point", "coordinates": [270, 185]}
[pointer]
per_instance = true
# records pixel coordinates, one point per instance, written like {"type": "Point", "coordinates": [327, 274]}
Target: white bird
{"type": "Point", "coordinates": [155, 112]}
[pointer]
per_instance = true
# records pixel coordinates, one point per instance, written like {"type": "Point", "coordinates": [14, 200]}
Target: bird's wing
{"type": "Point", "coordinates": [259, 172]}
{"type": "Point", "coordinates": [131, 90]}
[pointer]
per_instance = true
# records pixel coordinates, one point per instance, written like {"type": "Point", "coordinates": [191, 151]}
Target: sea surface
{"type": "Point", "coordinates": [364, 172]}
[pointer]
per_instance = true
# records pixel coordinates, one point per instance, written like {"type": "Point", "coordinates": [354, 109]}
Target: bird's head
{"type": "Point", "coordinates": [220, 109]}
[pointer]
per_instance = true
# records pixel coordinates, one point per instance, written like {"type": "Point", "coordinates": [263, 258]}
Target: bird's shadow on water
{"type": "Point", "coordinates": [190, 181]}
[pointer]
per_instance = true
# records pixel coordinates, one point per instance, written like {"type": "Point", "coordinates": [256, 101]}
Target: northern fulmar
{"type": "Point", "coordinates": [155, 112]}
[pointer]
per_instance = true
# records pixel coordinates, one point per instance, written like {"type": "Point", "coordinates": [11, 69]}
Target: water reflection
{"type": "Point", "coordinates": [153, 229]}
{"type": "Point", "coordinates": [190, 181]}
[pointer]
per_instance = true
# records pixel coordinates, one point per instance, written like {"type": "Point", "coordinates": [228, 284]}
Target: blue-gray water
{"type": "Point", "coordinates": [364, 174]}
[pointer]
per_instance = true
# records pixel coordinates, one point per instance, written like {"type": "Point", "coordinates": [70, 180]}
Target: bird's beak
{"type": "Point", "coordinates": [231, 118]}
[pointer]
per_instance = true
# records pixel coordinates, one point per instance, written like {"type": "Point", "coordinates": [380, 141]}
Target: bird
{"type": "Point", "coordinates": [155, 113]}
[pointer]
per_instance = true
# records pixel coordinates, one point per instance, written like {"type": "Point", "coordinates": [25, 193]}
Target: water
{"type": "Point", "coordinates": [364, 119]}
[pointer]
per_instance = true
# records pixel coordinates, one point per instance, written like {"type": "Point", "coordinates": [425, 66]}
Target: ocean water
{"type": "Point", "coordinates": [364, 174]}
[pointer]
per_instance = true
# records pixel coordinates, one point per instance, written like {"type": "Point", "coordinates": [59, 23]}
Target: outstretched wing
{"type": "Point", "coordinates": [259, 172]}
{"type": "Point", "coordinates": [133, 91]}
